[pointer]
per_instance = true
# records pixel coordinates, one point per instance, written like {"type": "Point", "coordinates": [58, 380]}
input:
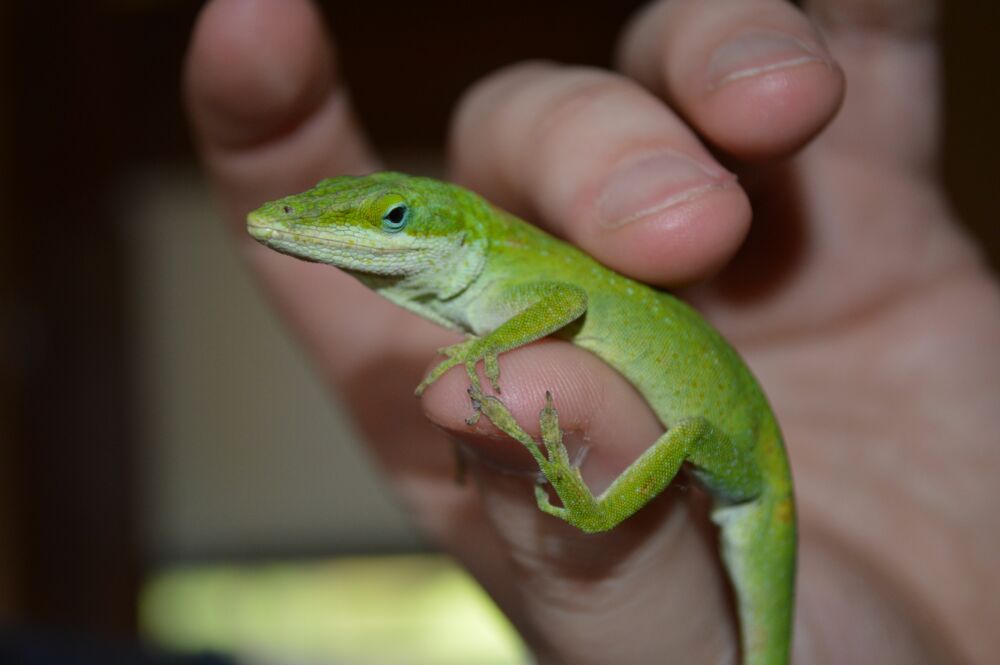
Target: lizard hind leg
{"type": "Point", "coordinates": [579, 505]}
{"type": "Point", "coordinates": [692, 439]}
{"type": "Point", "coordinates": [689, 440]}
{"type": "Point", "coordinates": [501, 417]}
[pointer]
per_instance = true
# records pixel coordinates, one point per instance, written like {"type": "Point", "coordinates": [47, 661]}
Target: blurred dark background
{"type": "Point", "coordinates": [90, 99]}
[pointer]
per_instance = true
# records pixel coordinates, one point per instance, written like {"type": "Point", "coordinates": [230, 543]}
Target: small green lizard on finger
{"type": "Point", "coordinates": [450, 256]}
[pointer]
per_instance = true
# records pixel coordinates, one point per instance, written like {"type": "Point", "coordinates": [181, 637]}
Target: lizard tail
{"type": "Point", "coordinates": [758, 540]}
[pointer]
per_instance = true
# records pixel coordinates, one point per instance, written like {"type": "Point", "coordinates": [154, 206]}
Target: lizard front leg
{"type": "Point", "coordinates": [537, 309]}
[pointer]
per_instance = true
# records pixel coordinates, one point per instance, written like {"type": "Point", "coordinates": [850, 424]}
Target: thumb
{"type": "Point", "coordinates": [653, 584]}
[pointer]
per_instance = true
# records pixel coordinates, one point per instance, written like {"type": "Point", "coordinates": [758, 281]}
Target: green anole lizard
{"type": "Point", "coordinates": [450, 256]}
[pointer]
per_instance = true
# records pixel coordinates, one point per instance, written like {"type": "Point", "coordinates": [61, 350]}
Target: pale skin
{"type": "Point", "coordinates": [871, 324]}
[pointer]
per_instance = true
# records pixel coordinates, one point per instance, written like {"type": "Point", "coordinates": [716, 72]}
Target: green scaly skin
{"type": "Point", "coordinates": [451, 257]}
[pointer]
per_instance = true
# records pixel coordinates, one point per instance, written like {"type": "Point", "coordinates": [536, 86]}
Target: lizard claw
{"type": "Point", "coordinates": [476, 396]}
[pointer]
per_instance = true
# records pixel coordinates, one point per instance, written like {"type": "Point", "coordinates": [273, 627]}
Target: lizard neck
{"type": "Point", "coordinates": [447, 269]}
{"type": "Point", "coordinates": [456, 266]}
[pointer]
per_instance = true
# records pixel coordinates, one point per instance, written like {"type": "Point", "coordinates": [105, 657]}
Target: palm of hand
{"type": "Point", "coordinates": [871, 335]}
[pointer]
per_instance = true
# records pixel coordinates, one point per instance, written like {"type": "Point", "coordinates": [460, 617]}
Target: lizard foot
{"type": "Point", "coordinates": [467, 353]}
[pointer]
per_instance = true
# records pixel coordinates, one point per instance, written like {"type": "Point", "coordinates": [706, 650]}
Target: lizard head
{"type": "Point", "coordinates": [388, 225]}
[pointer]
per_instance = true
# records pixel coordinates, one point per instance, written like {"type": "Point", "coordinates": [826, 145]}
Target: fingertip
{"type": "Point", "coordinates": [688, 241]}
{"type": "Point", "coordinates": [755, 79]}
{"type": "Point", "coordinates": [772, 113]}
{"type": "Point", "coordinates": [254, 67]}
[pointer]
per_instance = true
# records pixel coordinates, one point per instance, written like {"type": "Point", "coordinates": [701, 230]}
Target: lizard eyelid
{"type": "Point", "coordinates": [395, 217]}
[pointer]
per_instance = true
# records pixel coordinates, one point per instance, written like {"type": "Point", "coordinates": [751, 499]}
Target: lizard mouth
{"type": "Point", "coordinates": [352, 253]}
{"type": "Point", "coordinates": [268, 234]}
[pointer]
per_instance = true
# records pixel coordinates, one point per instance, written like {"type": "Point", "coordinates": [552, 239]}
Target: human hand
{"type": "Point", "coordinates": [862, 309]}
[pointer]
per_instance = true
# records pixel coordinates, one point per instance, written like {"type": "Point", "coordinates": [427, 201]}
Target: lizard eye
{"type": "Point", "coordinates": [395, 218]}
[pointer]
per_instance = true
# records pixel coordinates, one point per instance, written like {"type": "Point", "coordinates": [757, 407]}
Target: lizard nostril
{"type": "Point", "coordinates": [287, 209]}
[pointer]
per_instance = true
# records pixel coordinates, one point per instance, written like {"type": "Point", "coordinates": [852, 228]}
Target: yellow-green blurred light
{"type": "Point", "coordinates": [399, 610]}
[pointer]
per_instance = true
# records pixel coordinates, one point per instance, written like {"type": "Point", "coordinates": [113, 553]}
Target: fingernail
{"type": "Point", "coordinates": [757, 52]}
{"type": "Point", "coordinates": [653, 183]}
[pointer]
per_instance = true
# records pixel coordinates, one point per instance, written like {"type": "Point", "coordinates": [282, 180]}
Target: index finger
{"type": "Point", "coordinates": [271, 117]}
{"type": "Point", "coordinates": [269, 111]}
